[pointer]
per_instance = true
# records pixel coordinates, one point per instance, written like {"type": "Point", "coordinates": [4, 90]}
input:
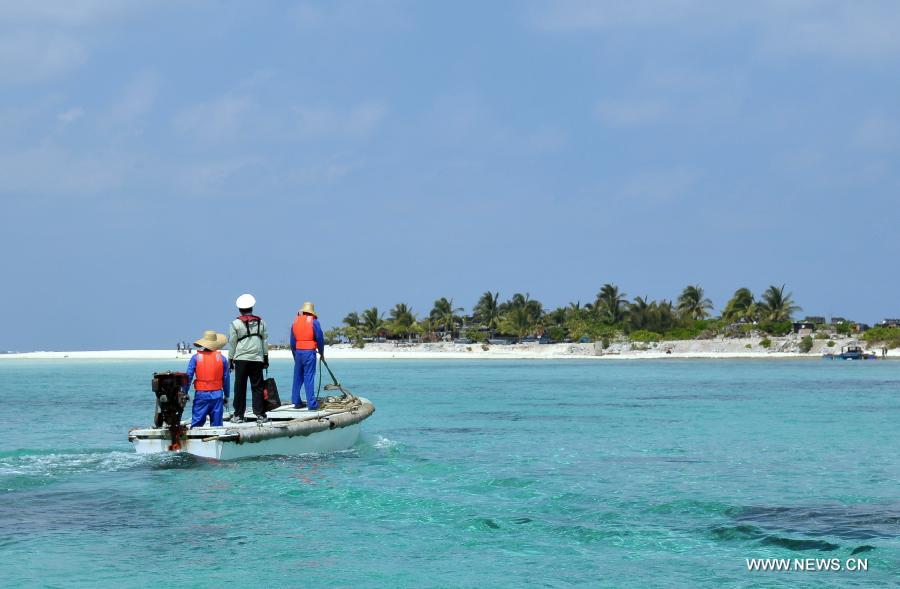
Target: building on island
{"type": "Point", "coordinates": [804, 327]}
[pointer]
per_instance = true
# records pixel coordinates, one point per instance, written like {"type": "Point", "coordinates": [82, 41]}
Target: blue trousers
{"type": "Point", "coordinates": [304, 375]}
{"type": "Point", "coordinates": [207, 403]}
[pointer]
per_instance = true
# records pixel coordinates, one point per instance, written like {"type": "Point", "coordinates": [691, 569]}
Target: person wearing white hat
{"type": "Point", "coordinates": [248, 348]}
{"type": "Point", "coordinates": [209, 371]}
{"type": "Point", "coordinates": [306, 338]}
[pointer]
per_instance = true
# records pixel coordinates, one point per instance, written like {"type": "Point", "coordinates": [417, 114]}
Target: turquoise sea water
{"type": "Point", "coordinates": [470, 474]}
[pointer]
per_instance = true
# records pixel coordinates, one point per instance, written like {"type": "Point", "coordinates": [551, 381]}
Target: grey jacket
{"type": "Point", "coordinates": [248, 348]}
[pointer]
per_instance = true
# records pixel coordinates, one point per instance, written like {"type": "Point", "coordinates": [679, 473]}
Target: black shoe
{"type": "Point", "coordinates": [237, 419]}
{"type": "Point", "coordinates": [299, 405]}
{"type": "Point", "coordinates": [262, 420]}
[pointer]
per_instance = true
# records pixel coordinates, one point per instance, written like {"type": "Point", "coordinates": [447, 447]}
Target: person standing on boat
{"type": "Point", "coordinates": [248, 348]}
{"type": "Point", "coordinates": [209, 371]}
{"type": "Point", "coordinates": [306, 338]}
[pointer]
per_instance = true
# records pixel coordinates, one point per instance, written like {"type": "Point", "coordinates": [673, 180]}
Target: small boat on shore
{"type": "Point", "coordinates": [851, 353]}
{"type": "Point", "coordinates": [333, 426]}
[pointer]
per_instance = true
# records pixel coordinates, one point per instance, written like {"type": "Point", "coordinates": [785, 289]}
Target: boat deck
{"type": "Point", "coordinates": [282, 414]}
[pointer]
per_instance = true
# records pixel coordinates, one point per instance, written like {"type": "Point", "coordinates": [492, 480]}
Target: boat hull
{"type": "Point", "coordinates": [289, 432]}
{"type": "Point", "coordinates": [320, 442]}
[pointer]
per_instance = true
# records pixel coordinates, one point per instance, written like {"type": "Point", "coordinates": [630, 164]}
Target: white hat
{"type": "Point", "coordinates": [245, 301]}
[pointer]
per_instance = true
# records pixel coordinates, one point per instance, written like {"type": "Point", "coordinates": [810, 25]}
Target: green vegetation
{"type": "Point", "coordinates": [445, 315]}
{"type": "Point", "coordinates": [611, 316]}
{"type": "Point", "coordinates": [740, 306]}
{"type": "Point", "coordinates": [776, 328]}
{"type": "Point", "coordinates": [692, 304]}
{"type": "Point", "coordinates": [776, 306]}
{"type": "Point", "coordinates": [487, 311]}
{"type": "Point", "coordinates": [888, 337]}
{"type": "Point", "coordinates": [401, 320]}
{"type": "Point", "coordinates": [806, 344]}
{"type": "Point", "coordinates": [645, 336]}
{"type": "Point", "coordinates": [766, 343]}
{"type": "Point", "coordinates": [830, 343]}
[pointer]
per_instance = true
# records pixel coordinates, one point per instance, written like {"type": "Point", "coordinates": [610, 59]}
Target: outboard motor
{"type": "Point", "coordinates": [170, 402]}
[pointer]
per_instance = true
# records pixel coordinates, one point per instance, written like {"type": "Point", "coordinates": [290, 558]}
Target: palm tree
{"type": "Point", "coordinates": [639, 313]}
{"type": "Point", "coordinates": [741, 306]}
{"type": "Point", "coordinates": [692, 304]}
{"type": "Point", "coordinates": [521, 314]}
{"type": "Point", "coordinates": [557, 316]}
{"type": "Point", "coordinates": [372, 321]}
{"type": "Point", "coordinates": [777, 306]}
{"type": "Point", "coordinates": [445, 314]}
{"type": "Point", "coordinates": [426, 326]}
{"type": "Point", "coordinates": [664, 316]}
{"type": "Point", "coordinates": [352, 319]}
{"type": "Point", "coordinates": [611, 304]}
{"type": "Point", "coordinates": [402, 319]}
{"type": "Point", "coordinates": [487, 311]}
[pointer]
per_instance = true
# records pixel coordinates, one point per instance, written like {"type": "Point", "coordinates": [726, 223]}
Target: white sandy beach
{"type": "Point", "coordinates": [747, 348]}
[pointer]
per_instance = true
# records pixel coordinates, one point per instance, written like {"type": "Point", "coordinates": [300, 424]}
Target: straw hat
{"type": "Point", "coordinates": [245, 301]}
{"type": "Point", "coordinates": [212, 340]}
{"type": "Point", "coordinates": [308, 308]}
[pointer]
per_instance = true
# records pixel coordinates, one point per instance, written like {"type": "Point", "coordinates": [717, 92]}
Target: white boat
{"type": "Point", "coordinates": [334, 426]}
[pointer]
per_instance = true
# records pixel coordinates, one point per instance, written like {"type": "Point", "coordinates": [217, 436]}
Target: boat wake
{"type": "Point", "coordinates": [29, 468]}
{"type": "Point", "coordinates": [379, 442]}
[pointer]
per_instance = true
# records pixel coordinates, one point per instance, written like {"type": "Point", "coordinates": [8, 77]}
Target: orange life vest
{"type": "Point", "coordinates": [210, 371]}
{"type": "Point", "coordinates": [304, 334]}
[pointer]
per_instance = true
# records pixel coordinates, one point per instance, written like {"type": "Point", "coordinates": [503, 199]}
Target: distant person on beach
{"type": "Point", "coordinates": [306, 338]}
{"type": "Point", "coordinates": [209, 371]}
{"type": "Point", "coordinates": [248, 348]}
{"type": "Point", "coordinates": [178, 348]}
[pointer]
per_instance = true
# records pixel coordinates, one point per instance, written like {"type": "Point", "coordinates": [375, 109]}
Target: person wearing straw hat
{"type": "Point", "coordinates": [248, 348]}
{"type": "Point", "coordinates": [209, 371]}
{"type": "Point", "coordinates": [306, 338]}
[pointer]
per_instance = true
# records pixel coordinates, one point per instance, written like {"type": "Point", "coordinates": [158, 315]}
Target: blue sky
{"type": "Point", "coordinates": [157, 159]}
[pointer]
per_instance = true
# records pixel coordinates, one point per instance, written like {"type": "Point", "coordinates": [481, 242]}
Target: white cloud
{"type": "Point", "coordinates": [138, 97]}
{"type": "Point", "coordinates": [47, 39]}
{"type": "Point", "coordinates": [658, 186]}
{"type": "Point", "coordinates": [129, 112]}
{"type": "Point", "coordinates": [31, 57]}
{"type": "Point", "coordinates": [819, 28]}
{"type": "Point", "coordinates": [546, 140]}
{"type": "Point", "coordinates": [588, 15]}
{"type": "Point", "coordinates": [629, 113]}
{"type": "Point", "coordinates": [71, 115]}
{"type": "Point", "coordinates": [312, 174]}
{"type": "Point", "coordinates": [350, 14]}
{"type": "Point", "coordinates": [218, 120]}
{"type": "Point", "coordinates": [49, 170]}
{"type": "Point", "coordinates": [834, 29]}
{"type": "Point", "coordinates": [66, 13]}
{"type": "Point", "coordinates": [215, 177]}
{"type": "Point", "coordinates": [357, 122]}
{"type": "Point", "coordinates": [877, 132]}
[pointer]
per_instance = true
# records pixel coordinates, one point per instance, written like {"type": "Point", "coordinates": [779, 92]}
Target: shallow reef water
{"type": "Point", "coordinates": [668, 473]}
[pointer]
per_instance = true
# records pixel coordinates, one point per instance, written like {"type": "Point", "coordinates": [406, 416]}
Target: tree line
{"type": "Point", "coordinates": [610, 314]}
